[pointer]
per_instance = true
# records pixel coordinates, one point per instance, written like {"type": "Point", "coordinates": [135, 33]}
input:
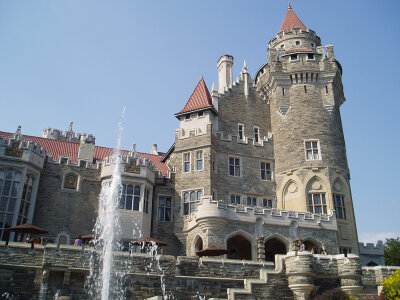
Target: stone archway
{"type": "Point", "coordinates": [272, 247]}
{"type": "Point", "coordinates": [198, 246]}
{"type": "Point", "coordinates": [239, 248]}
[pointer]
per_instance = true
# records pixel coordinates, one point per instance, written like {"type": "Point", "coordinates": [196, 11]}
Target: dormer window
{"type": "Point", "coordinates": [282, 46]}
{"type": "Point", "coordinates": [293, 57]}
{"type": "Point", "coordinates": [297, 43]}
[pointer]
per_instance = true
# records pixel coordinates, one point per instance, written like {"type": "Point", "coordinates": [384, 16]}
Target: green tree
{"type": "Point", "coordinates": [392, 252]}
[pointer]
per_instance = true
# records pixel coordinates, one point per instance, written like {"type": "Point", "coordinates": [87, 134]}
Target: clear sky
{"type": "Point", "coordinates": [84, 61]}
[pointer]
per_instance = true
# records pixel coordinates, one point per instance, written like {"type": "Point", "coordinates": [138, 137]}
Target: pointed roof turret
{"type": "Point", "coordinates": [199, 100]}
{"type": "Point", "coordinates": [291, 21]}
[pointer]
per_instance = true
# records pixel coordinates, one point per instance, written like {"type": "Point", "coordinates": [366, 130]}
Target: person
{"type": "Point", "coordinates": [78, 241]}
{"type": "Point", "coordinates": [314, 250]}
{"type": "Point", "coordinates": [324, 251]}
{"type": "Point", "coordinates": [302, 246]}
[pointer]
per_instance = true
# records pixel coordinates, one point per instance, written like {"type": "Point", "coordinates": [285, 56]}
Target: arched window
{"type": "Point", "coordinates": [273, 247]}
{"type": "Point", "coordinates": [239, 247]}
{"type": "Point", "coordinates": [71, 181]}
{"type": "Point", "coordinates": [189, 200]}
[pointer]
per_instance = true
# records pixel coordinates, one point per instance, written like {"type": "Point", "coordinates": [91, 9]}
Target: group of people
{"type": "Point", "coordinates": [314, 250]}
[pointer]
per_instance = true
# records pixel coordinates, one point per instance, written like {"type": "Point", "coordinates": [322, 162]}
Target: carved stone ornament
{"type": "Point", "coordinates": [338, 186]}
{"type": "Point", "coordinates": [292, 188]}
{"type": "Point", "coordinates": [70, 181]}
{"type": "Point", "coordinates": [316, 185]}
{"type": "Point", "coordinates": [14, 150]}
{"type": "Point", "coordinates": [132, 168]}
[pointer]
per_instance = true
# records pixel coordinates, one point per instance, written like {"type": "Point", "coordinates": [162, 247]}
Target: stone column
{"type": "Point", "coordinates": [261, 248]}
{"type": "Point", "coordinates": [299, 269]}
{"type": "Point", "coordinates": [350, 273]}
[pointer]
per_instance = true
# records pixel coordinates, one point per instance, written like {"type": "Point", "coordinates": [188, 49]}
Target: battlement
{"type": "Point", "coordinates": [210, 209]}
{"type": "Point", "coordinates": [15, 147]}
{"type": "Point", "coordinates": [371, 248]}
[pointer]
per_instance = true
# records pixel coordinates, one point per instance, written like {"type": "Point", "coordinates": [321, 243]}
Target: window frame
{"type": "Point", "coordinates": [199, 160]}
{"type": "Point", "coordinates": [266, 171]}
{"type": "Point", "coordinates": [187, 205]}
{"type": "Point", "coordinates": [318, 148]}
{"type": "Point", "coordinates": [186, 161]}
{"type": "Point", "coordinates": [257, 137]}
{"type": "Point", "coordinates": [235, 167]}
{"type": "Point", "coordinates": [236, 197]}
{"type": "Point", "coordinates": [164, 208]}
{"type": "Point", "coordinates": [240, 135]}
{"type": "Point", "coordinates": [340, 210]}
{"type": "Point", "coordinates": [268, 201]}
{"type": "Point", "coordinates": [135, 197]}
{"type": "Point", "coordinates": [312, 205]}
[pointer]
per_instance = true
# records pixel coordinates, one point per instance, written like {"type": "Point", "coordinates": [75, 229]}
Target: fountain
{"type": "Point", "coordinates": [104, 283]}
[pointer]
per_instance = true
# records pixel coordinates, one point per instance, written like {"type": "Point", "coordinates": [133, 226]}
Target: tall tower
{"type": "Point", "coordinates": [302, 81]}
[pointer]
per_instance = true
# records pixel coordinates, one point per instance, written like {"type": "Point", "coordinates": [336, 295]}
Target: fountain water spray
{"type": "Point", "coordinates": [102, 282]}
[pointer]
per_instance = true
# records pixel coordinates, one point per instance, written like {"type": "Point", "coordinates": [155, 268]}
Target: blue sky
{"type": "Point", "coordinates": [84, 61]}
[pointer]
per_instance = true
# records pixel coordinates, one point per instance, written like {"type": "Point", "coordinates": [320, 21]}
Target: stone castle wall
{"type": "Point", "coordinates": [45, 270]}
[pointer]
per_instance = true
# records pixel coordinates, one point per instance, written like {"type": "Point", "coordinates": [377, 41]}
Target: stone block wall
{"type": "Point", "coordinates": [45, 270]}
{"type": "Point", "coordinates": [65, 210]}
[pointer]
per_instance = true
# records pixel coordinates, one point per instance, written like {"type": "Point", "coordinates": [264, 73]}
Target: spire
{"type": "Point", "coordinates": [199, 100]}
{"type": "Point", "coordinates": [291, 21]}
{"type": "Point", "coordinates": [244, 69]}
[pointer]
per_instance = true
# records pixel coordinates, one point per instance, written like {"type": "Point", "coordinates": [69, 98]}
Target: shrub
{"type": "Point", "coordinates": [391, 286]}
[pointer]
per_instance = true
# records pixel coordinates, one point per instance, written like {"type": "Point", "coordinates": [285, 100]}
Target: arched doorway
{"type": "Point", "coordinates": [198, 245]}
{"type": "Point", "coordinates": [63, 240]}
{"type": "Point", "coordinates": [239, 248]}
{"type": "Point", "coordinates": [272, 247]}
{"type": "Point", "coordinates": [309, 245]}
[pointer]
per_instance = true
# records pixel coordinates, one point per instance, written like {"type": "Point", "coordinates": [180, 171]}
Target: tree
{"type": "Point", "coordinates": [392, 252]}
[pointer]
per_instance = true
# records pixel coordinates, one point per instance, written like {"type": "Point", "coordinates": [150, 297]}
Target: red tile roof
{"type": "Point", "coordinates": [68, 149]}
{"type": "Point", "coordinates": [291, 21]}
{"type": "Point", "coordinates": [199, 99]}
{"type": "Point", "coordinates": [299, 50]}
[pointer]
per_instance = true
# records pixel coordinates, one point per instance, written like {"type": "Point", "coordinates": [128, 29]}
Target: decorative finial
{"type": "Point", "coordinates": [70, 126]}
{"type": "Point", "coordinates": [17, 134]}
{"type": "Point", "coordinates": [244, 66]}
{"type": "Point", "coordinates": [289, 6]}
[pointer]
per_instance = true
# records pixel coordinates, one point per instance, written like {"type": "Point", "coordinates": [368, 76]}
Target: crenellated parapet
{"type": "Point", "coordinates": [17, 149]}
{"type": "Point", "coordinates": [210, 213]}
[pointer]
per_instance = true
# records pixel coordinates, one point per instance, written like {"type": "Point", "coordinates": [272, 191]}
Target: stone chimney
{"type": "Point", "coordinates": [86, 149]}
{"type": "Point", "coordinates": [224, 65]}
{"type": "Point", "coordinates": [154, 150]}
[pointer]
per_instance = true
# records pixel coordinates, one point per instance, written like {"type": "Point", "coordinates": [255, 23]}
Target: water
{"type": "Point", "coordinates": [104, 283]}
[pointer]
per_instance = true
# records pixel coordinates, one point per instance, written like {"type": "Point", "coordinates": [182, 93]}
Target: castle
{"type": "Point", "coordinates": [257, 163]}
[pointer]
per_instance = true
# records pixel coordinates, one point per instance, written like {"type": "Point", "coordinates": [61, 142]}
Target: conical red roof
{"type": "Point", "coordinates": [291, 21]}
{"type": "Point", "coordinates": [199, 99]}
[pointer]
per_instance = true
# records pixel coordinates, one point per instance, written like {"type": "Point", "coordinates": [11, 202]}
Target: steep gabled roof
{"type": "Point", "coordinates": [291, 20]}
{"type": "Point", "coordinates": [199, 100]}
{"type": "Point", "coordinates": [59, 149]}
